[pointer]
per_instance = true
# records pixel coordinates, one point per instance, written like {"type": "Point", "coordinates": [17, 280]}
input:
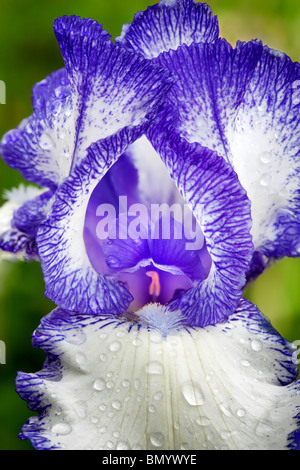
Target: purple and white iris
{"type": "Point", "coordinates": [168, 164]}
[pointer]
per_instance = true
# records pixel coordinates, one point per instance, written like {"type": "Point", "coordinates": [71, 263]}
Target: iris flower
{"type": "Point", "coordinates": [168, 164]}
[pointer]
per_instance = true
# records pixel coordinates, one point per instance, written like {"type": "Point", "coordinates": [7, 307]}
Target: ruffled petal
{"type": "Point", "coordinates": [110, 384]}
{"type": "Point", "coordinates": [41, 146]}
{"type": "Point", "coordinates": [239, 102]}
{"type": "Point", "coordinates": [221, 207]}
{"type": "Point", "coordinates": [103, 89]}
{"type": "Point", "coordinates": [168, 25]}
{"type": "Point", "coordinates": [112, 88]}
{"type": "Point", "coordinates": [70, 277]}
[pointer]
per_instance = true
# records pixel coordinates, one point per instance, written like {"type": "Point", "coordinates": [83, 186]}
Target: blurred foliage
{"type": "Point", "coordinates": [28, 53]}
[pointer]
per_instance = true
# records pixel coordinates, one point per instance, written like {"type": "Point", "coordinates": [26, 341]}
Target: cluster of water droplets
{"type": "Point", "coordinates": [176, 388]}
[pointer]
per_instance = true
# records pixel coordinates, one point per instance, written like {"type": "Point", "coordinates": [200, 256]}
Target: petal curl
{"type": "Point", "coordinates": [239, 102]}
{"type": "Point", "coordinates": [41, 146]}
{"type": "Point", "coordinates": [103, 89]}
{"type": "Point", "coordinates": [221, 207]}
{"type": "Point", "coordinates": [110, 384]}
{"type": "Point", "coordinates": [20, 217]}
{"type": "Point", "coordinates": [167, 25]}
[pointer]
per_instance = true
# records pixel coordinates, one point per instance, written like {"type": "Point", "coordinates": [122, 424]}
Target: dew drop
{"type": "Point", "coordinates": [157, 439]}
{"type": "Point", "coordinates": [45, 142]}
{"type": "Point", "coordinates": [117, 405]}
{"type": "Point", "coordinates": [122, 445]}
{"type": "Point", "coordinates": [245, 363]}
{"type": "Point", "coordinates": [94, 419]}
{"type": "Point", "coordinates": [137, 117]}
{"type": "Point", "coordinates": [81, 409]}
{"type": "Point", "coordinates": [137, 384]}
{"type": "Point", "coordinates": [137, 342]}
{"type": "Point", "coordinates": [256, 345]}
{"type": "Point", "coordinates": [203, 421]}
{"type": "Point", "coordinates": [265, 180]}
{"type": "Point", "coordinates": [112, 262]}
{"type": "Point", "coordinates": [115, 346]}
{"type": "Point", "coordinates": [225, 410]}
{"type": "Point", "coordinates": [80, 358]}
{"type": "Point", "coordinates": [151, 408]}
{"type": "Point", "coordinates": [193, 394]}
{"type": "Point", "coordinates": [62, 428]}
{"type": "Point", "coordinates": [99, 384]}
{"type": "Point", "coordinates": [241, 412]}
{"type": "Point", "coordinates": [155, 337]}
{"type": "Point", "coordinates": [266, 157]}
{"type": "Point", "coordinates": [77, 337]}
{"type": "Point", "coordinates": [225, 435]}
{"type": "Point", "coordinates": [154, 368]}
{"type": "Point", "coordinates": [158, 396]}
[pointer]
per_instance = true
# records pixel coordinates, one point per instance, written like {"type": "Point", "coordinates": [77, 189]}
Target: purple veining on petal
{"type": "Point", "coordinates": [167, 25]}
{"type": "Point", "coordinates": [29, 216]}
{"type": "Point", "coordinates": [149, 247]}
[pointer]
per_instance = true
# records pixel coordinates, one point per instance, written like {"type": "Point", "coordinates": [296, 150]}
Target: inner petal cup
{"type": "Point", "coordinates": [139, 230]}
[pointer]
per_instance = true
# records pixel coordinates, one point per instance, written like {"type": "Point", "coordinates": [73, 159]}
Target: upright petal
{"type": "Point", "coordinates": [103, 89]}
{"type": "Point", "coordinates": [239, 102]}
{"type": "Point", "coordinates": [112, 89]}
{"type": "Point", "coordinates": [41, 146]}
{"type": "Point", "coordinates": [168, 25]}
{"type": "Point", "coordinates": [20, 217]}
{"type": "Point", "coordinates": [112, 384]}
{"type": "Point", "coordinates": [221, 207]}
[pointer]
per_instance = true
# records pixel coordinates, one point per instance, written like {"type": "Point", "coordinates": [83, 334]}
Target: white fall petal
{"type": "Point", "coordinates": [121, 386]}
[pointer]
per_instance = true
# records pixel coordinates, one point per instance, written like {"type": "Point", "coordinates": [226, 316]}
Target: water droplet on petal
{"type": "Point", "coordinates": [62, 428]}
{"type": "Point", "coordinates": [117, 405]}
{"type": "Point", "coordinates": [81, 409]}
{"type": "Point", "coordinates": [241, 412]}
{"type": "Point", "coordinates": [80, 358]}
{"type": "Point", "coordinates": [225, 410]}
{"type": "Point", "coordinates": [256, 345]}
{"type": "Point", "coordinates": [245, 363]}
{"type": "Point", "coordinates": [157, 439]}
{"type": "Point", "coordinates": [158, 396]}
{"type": "Point", "coordinates": [122, 445]}
{"type": "Point", "coordinates": [193, 394]}
{"type": "Point", "coordinates": [265, 180]}
{"type": "Point", "coordinates": [115, 346]}
{"type": "Point", "coordinates": [75, 337]}
{"type": "Point", "coordinates": [113, 262]}
{"type": "Point", "coordinates": [61, 92]}
{"type": "Point", "coordinates": [154, 368]}
{"type": "Point", "coordinates": [155, 337]}
{"type": "Point", "coordinates": [45, 142]}
{"type": "Point", "coordinates": [266, 157]}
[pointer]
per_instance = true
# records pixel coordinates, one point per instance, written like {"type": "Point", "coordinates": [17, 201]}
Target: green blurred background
{"type": "Point", "coordinates": [28, 53]}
